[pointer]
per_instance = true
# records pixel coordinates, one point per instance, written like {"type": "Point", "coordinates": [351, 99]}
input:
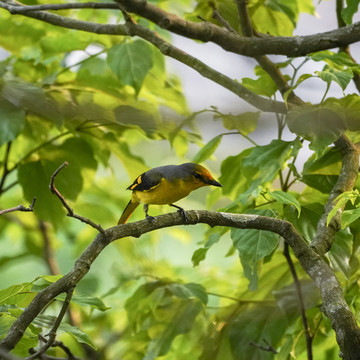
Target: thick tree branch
{"type": "Point", "coordinates": [349, 172]}
{"type": "Point", "coordinates": [334, 304]}
{"type": "Point", "coordinates": [263, 60]}
{"type": "Point", "coordinates": [204, 31]}
{"type": "Point", "coordinates": [133, 29]}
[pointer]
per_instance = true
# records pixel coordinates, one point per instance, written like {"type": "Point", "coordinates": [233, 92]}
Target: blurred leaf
{"type": "Point", "coordinates": [349, 216]}
{"type": "Point", "coordinates": [189, 291]}
{"type": "Point", "coordinates": [79, 335]}
{"type": "Point", "coordinates": [206, 151]}
{"type": "Point", "coordinates": [319, 125]}
{"type": "Point", "coordinates": [262, 325]}
{"type": "Point", "coordinates": [181, 323]}
{"type": "Point", "coordinates": [85, 300]}
{"type": "Point", "coordinates": [131, 61]}
{"type": "Point", "coordinates": [200, 255]}
{"type": "Point", "coordinates": [340, 252]}
{"type": "Point", "coordinates": [287, 298]}
{"type": "Point", "coordinates": [12, 121]}
{"type": "Point", "coordinates": [132, 117]}
{"type": "Point", "coordinates": [245, 123]}
{"type": "Point", "coordinates": [286, 198]}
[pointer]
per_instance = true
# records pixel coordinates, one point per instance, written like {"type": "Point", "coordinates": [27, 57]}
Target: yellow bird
{"type": "Point", "coordinates": [165, 185]}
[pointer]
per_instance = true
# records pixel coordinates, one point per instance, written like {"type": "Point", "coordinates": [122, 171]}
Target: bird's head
{"type": "Point", "coordinates": [199, 176]}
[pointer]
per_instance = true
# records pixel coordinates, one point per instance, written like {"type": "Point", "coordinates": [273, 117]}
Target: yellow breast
{"type": "Point", "coordinates": [165, 192]}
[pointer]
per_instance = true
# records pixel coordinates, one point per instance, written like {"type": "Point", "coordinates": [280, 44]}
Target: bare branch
{"type": "Point", "coordinates": [334, 304]}
{"type": "Point", "coordinates": [19, 208]}
{"type": "Point", "coordinates": [70, 211]}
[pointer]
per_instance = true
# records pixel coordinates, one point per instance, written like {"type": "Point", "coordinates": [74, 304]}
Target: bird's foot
{"type": "Point", "coordinates": [182, 212]}
{"type": "Point", "coordinates": [150, 219]}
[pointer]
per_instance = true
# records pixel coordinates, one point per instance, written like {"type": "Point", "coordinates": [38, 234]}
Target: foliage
{"type": "Point", "coordinates": [109, 106]}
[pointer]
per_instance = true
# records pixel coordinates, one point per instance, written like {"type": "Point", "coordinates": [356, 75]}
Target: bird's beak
{"type": "Point", "coordinates": [213, 182]}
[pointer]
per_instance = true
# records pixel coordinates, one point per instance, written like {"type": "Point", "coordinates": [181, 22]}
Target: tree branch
{"type": "Point", "coordinates": [349, 172]}
{"type": "Point", "coordinates": [133, 29]}
{"type": "Point", "coordinates": [334, 304]}
{"type": "Point", "coordinates": [277, 45]}
{"type": "Point", "coordinates": [19, 208]}
{"type": "Point", "coordinates": [204, 31]}
{"type": "Point", "coordinates": [70, 211]}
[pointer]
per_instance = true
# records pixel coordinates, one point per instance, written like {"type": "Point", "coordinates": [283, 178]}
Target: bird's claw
{"type": "Point", "coordinates": [150, 219]}
{"type": "Point", "coordinates": [184, 216]}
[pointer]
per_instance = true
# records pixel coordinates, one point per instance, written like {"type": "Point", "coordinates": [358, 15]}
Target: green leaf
{"type": "Point", "coordinates": [181, 323]}
{"type": "Point", "coordinates": [64, 42]}
{"type": "Point", "coordinates": [286, 198]}
{"type": "Point", "coordinates": [319, 125]}
{"type": "Point", "coordinates": [263, 85]}
{"type": "Point", "coordinates": [349, 216]}
{"type": "Point", "coordinates": [189, 291]}
{"type": "Point", "coordinates": [341, 251]}
{"type": "Point", "coordinates": [86, 300]}
{"type": "Point", "coordinates": [348, 12]}
{"type": "Point", "coordinates": [336, 60]}
{"type": "Point", "coordinates": [341, 201]}
{"type": "Point", "coordinates": [34, 178]}
{"type": "Point", "coordinates": [341, 77]}
{"type": "Point", "coordinates": [272, 18]}
{"type": "Point", "coordinates": [253, 245]}
{"type": "Point", "coordinates": [350, 108]}
{"type": "Point", "coordinates": [79, 335]}
{"type": "Point", "coordinates": [262, 325]}
{"type": "Point", "coordinates": [323, 183]}
{"type": "Point", "coordinates": [12, 121]}
{"type": "Point", "coordinates": [132, 117]}
{"type": "Point", "coordinates": [206, 151]}
{"type": "Point", "coordinates": [244, 123]}
{"type": "Point", "coordinates": [131, 61]}
{"type": "Point", "coordinates": [199, 255]}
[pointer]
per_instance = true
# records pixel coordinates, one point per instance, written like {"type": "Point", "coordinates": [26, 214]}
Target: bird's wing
{"type": "Point", "coordinates": [147, 181]}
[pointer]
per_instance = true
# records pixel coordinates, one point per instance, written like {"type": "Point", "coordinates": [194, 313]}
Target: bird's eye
{"type": "Point", "coordinates": [197, 176]}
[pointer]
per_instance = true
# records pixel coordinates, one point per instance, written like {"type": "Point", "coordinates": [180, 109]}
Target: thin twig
{"type": "Point", "coordinates": [70, 211]}
{"type": "Point", "coordinates": [267, 348]}
{"type": "Point", "coordinates": [19, 208]}
{"type": "Point", "coordinates": [300, 297]}
{"type": "Point", "coordinates": [217, 16]}
{"type": "Point", "coordinates": [52, 333]}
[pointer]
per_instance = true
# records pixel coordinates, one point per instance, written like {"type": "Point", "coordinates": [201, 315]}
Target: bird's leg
{"type": "Point", "coordinates": [149, 218]}
{"type": "Point", "coordinates": [181, 211]}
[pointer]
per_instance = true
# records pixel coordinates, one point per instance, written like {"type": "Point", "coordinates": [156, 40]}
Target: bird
{"type": "Point", "coordinates": [165, 185]}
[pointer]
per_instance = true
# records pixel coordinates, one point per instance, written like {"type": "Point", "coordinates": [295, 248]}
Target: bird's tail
{"type": "Point", "coordinates": [130, 207]}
